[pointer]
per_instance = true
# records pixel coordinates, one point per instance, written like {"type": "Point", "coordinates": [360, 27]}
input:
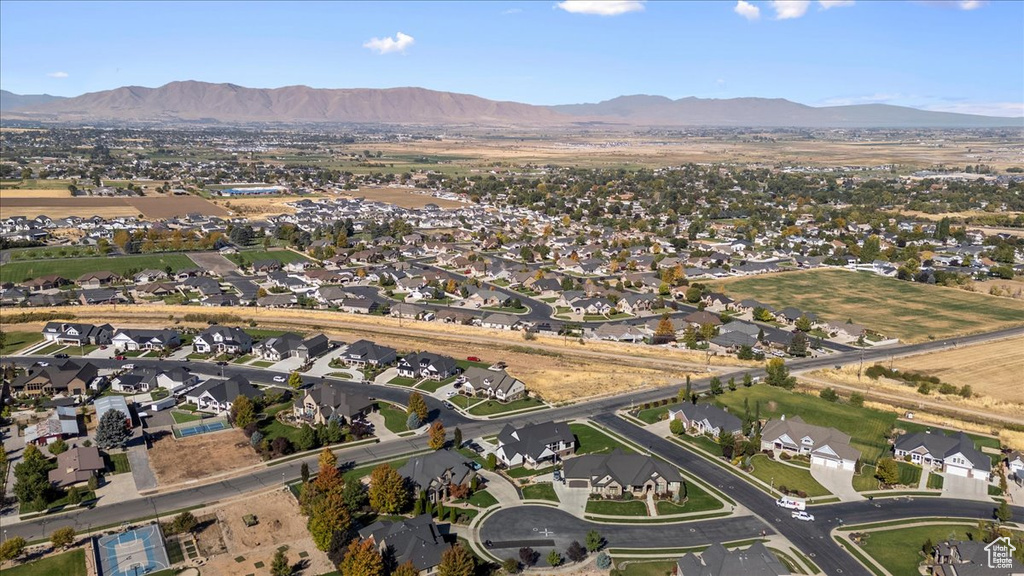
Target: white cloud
{"type": "Point", "coordinates": [955, 4]}
{"type": "Point", "coordinates": [788, 9]}
{"type": "Point", "coordinates": [601, 7]}
{"type": "Point", "coordinates": [511, 11]}
{"type": "Point", "coordinates": [58, 74]}
{"type": "Point", "coordinates": [970, 4]}
{"type": "Point", "coordinates": [747, 10]}
{"type": "Point", "coordinates": [826, 4]}
{"type": "Point", "coordinates": [388, 45]}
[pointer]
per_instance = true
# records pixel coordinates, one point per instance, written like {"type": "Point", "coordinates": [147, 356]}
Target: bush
{"type": "Point", "coordinates": [604, 561]}
{"type": "Point", "coordinates": [282, 446]}
{"type": "Point", "coordinates": [256, 438]}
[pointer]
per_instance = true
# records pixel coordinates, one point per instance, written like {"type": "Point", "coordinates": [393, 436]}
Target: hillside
{"type": "Point", "coordinates": [11, 101]}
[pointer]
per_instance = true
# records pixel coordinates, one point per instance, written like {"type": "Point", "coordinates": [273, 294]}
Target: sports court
{"type": "Point", "coordinates": [215, 426]}
{"type": "Point", "coordinates": [132, 553]}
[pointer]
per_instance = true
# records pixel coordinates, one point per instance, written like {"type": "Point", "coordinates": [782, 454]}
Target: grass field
{"type": "Point", "coordinates": [992, 369]}
{"type": "Point", "coordinates": [491, 407]}
{"type": "Point", "coordinates": [67, 564]}
{"type": "Point", "coordinates": [283, 256]}
{"type": "Point", "coordinates": [590, 440]}
{"type": "Point", "coordinates": [394, 417]}
{"type": "Point", "coordinates": [183, 417]}
{"type": "Point", "coordinates": [617, 507]}
{"type": "Point", "coordinates": [697, 500]}
{"type": "Point", "coordinates": [118, 463]}
{"type": "Point", "coordinates": [542, 491]}
{"type": "Point", "coordinates": [793, 478]}
{"type": "Point", "coordinates": [909, 311]}
{"type": "Point", "coordinates": [645, 568]}
{"type": "Point", "coordinates": [867, 428]}
{"type": "Point", "coordinates": [72, 268]}
{"type": "Point", "coordinates": [899, 550]}
{"type": "Point", "coordinates": [482, 499]}
{"type": "Point", "coordinates": [18, 340]}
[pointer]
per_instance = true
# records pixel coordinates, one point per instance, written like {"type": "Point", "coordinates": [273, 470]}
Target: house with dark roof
{"type": "Point", "coordinates": [417, 541]}
{"type": "Point", "coordinates": [76, 334]}
{"type": "Point", "coordinates": [136, 339]}
{"type": "Point", "coordinates": [499, 321]}
{"type": "Point", "coordinates": [435, 473]}
{"type": "Point", "coordinates": [497, 384]}
{"type": "Point", "coordinates": [277, 348]}
{"type": "Point", "coordinates": [954, 454]}
{"type": "Point", "coordinates": [535, 444]}
{"type": "Point", "coordinates": [216, 395]}
{"type": "Point", "coordinates": [71, 378]}
{"type": "Point", "coordinates": [826, 447]}
{"type": "Point", "coordinates": [327, 400]}
{"type": "Point", "coordinates": [716, 560]}
{"type": "Point", "coordinates": [221, 339]}
{"type": "Point", "coordinates": [706, 419]}
{"type": "Point", "coordinates": [366, 353]}
{"type": "Point", "coordinates": [76, 466]}
{"type": "Point", "coordinates": [98, 279]}
{"type": "Point", "coordinates": [612, 475]}
{"type": "Point", "coordinates": [427, 365]}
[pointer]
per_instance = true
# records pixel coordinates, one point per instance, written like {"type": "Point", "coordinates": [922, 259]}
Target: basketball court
{"type": "Point", "coordinates": [132, 553]}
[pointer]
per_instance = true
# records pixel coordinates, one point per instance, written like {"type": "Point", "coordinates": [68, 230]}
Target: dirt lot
{"type": "Point", "coordinates": [404, 197]}
{"type": "Point", "coordinates": [993, 369]}
{"type": "Point", "coordinates": [260, 206]}
{"type": "Point", "coordinates": [208, 454]}
{"type": "Point", "coordinates": [213, 261]}
{"type": "Point", "coordinates": [168, 206]}
{"type": "Point", "coordinates": [10, 193]}
{"type": "Point", "coordinates": [150, 207]}
{"type": "Point", "coordinates": [280, 524]}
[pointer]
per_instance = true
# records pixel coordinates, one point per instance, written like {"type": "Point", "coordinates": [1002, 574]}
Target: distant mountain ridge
{"type": "Point", "coordinates": [12, 101]}
{"type": "Point", "coordinates": [194, 101]}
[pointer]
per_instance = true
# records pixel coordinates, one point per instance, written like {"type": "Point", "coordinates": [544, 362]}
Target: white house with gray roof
{"type": "Point", "coordinates": [826, 447]}
{"type": "Point", "coordinates": [954, 454]}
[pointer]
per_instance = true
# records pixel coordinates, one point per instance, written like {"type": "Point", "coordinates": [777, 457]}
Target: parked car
{"type": "Point", "coordinates": [801, 515]}
{"type": "Point", "coordinates": [450, 393]}
{"type": "Point", "coordinates": [61, 356]}
{"type": "Point", "coordinates": [448, 405]}
{"type": "Point", "coordinates": [279, 379]}
{"type": "Point", "coordinates": [119, 357]}
{"type": "Point", "coordinates": [473, 359]}
{"type": "Point", "coordinates": [222, 363]}
{"type": "Point", "coordinates": [558, 476]}
{"type": "Point", "coordinates": [129, 366]}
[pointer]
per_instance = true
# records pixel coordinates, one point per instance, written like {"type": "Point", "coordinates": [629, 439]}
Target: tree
{"type": "Point", "coordinates": [31, 475]}
{"type": "Point", "coordinates": [328, 516]}
{"type": "Point", "coordinates": [412, 421]}
{"type": "Point", "coordinates": [388, 494]}
{"type": "Point", "coordinates": [803, 323]}
{"type": "Point", "coordinates": [63, 537]}
{"type": "Point", "coordinates": [693, 294]}
{"type": "Point", "coordinates": [295, 380]}
{"type": "Point", "coordinates": [457, 438]}
{"type": "Point", "coordinates": [354, 495]}
{"type": "Point", "coordinates": [304, 472]}
{"type": "Point", "coordinates": [184, 522]}
{"type": "Point", "coordinates": [798, 346]}
{"type": "Point", "coordinates": [715, 387]}
{"type": "Point", "coordinates": [418, 405]}
{"type": "Point", "coordinates": [676, 426]}
{"type": "Point", "coordinates": [888, 471]}
{"type": "Point", "coordinates": [966, 391]}
{"type": "Point", "coordinates": [307, 439]}
{"type": "Point", "coordinates": [576, 552]}
{"type": "Point", "coordinates": [406, 569]}
{"type": "Point", "coordinates": [456, 561]}
{"type": "Point", "coordinates": [280, 565]}
{"type": "Point", "coordinates": [828, 394]}
{"type": "Point", "coordinates": [438, 436]}
{"type": "Point", "coordinates": [528, 556]}
{"type": "Point", "coordinates": [665, 330]}
{"type": "Point", "coordinates": [856, 399]}
{"type": "Point", "coordinates": [58, 446]}
{"type": "Point", "coordinates": [113, 430]}
{"type": "Point", "coordinates": [761, 315]}
{"type": "Point", "coordinates": [748, 380]}
{"type": "Point", "coordinates": [510, 566]}
{"type": "Point", "coordinates": [871, 249]}
{"type": "Point", "coordinates": [594, 541]}
{"type": "Point", "coordinates": [554, 558]}
{"type": "Point", "coordinates": [328, 477]}
{"type": "Point", "coordinates": [726, 443]}
{"type": "Point", "coordinates": [778, 374]}
{"type": "Point", "coordinates": [362, 558]}
{"type": "Point", "coordinates": [75, 495]}
{"type": "Point", "coordinates": [604, 561]}
{"type": "Point", "coordinates": [1003, 512]}
{"type": "Point", "coordinates": [690, 336]}
{"type": "Point", "coordinates": [745, 353]}
{"type": "Point", "coordinates": [12, 548]}
{"type": "Point", "coordinates": [492, 462]}
{"type": "Point", "coordinates": [243, 412]}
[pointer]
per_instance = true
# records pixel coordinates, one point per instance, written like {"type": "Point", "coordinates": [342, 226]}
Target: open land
{"type": "Point", "coordinates": [209, 454]}
{"type": "Point", "coordinates": [404, 197]}
{"type": "Point", "coordinates": [992, 369]}
{"type": "Point", "coordinates": [72, 268]}
{"type": "Point", "coordinates": [30, 204]}
{"type": "Point", "coordinates": [909, 311]}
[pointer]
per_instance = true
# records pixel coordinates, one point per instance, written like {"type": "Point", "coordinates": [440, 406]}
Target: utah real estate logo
{"type": "Point", "coordinates": [1000, 553]}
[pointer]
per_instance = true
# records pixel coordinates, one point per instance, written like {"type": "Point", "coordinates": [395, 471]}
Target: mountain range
{"type": "Point", "coordinates": [191, 101]}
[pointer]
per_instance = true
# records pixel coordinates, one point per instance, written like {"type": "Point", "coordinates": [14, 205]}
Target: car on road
{"type": "Point", "coordinates": [129, 366]}
{"type": "Point", "coordinates": [278, 378]}
{"type": "Point", "coordinates": [61, 356]}
{"type": "Point", "coordinates": [222, 363]}
{"type": "Point", "coordinates": [448, 405]}
{"type": "Point", "coordinates": [801, 515]}
{"type": "Point", "coordinates": [473, 359]}
{"type": "Point", "coordinates": [119, 357]}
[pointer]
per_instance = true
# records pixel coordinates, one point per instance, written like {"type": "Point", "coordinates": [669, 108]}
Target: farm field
{"type": "Point", "coordinates": [153, 207]}
{"type": "Point", "coordinates": [992, 369]}
{"type": "Point", "coordinates": [72, 268]}
{"type": "Point", "coordinates": [404, 197]}
{"type": "Point", "coordinates": [909, 311]}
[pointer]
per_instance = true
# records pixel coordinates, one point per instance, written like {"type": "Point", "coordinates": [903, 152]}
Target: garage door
{"type": "Point", "coordinates": [577, 483]}
{"type": "Point", "coordinates": [956, 471]}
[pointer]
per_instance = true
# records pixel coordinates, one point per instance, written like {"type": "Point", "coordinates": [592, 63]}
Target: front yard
{"type": "Point", "coordinates": [779, 475]}
{"type": "Point", "coordinates": [492, 407]}
{"type": "Point", "coordinates": [617, 507]}
{"type": "Point", "coordinates": [899, 550]}
{"type": "Point", "coordinates": [590, 440]}
{"type": "Point", "coordinates": [541, 491]}
{"type": "Point", "coordinates": [395, 418]}
{"type": "Point", "coordinates": [697, 500]}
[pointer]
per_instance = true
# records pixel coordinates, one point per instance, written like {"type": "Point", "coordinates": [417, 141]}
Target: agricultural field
{"type": "Point", "coordinates": [909, 311]}
{"type": "Point", "coordinates": [73, 268]}
{"type": "Point", "coordinates": [404, 197]}
{"type": "Point", "coordinates": [58, 203]}
{"type": "Point", "coordinates": [992, 369]}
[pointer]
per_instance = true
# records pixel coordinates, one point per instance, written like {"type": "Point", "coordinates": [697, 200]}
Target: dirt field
{"type": "Point", "coordinates": [213, 261]}
{"type": "Point", "coordinates": [404, 197]}
{"type": "Point", "coordinates": [149, 207]}
{"type": "Point", "coordinates": [208, 454]}
{"type": "Point", "coordinates": [259, 206]}
{"type": "Point", "coordinates": [10, 193]}
{"type": "Point", "coordinates": [993, 369]}
{"type": "Point", "coordinates": [166, 207]}
{"type": "Point", "coordinates": [280, 524]}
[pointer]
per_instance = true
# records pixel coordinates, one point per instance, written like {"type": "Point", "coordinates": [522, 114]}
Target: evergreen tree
{"type": "Point", "coordinates": [113, 431]}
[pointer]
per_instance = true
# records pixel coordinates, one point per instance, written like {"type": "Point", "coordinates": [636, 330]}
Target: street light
{"type": "Point", "coordinates": [772, 486]}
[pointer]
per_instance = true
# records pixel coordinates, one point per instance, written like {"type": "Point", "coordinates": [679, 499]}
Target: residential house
{"type": "Point", "coordinates": [216, 395]}
{"type": "Point", "coordinates": [417, 541]}
{"type": "Point", "coordinates": [98, 296]}
{"type": "Point", "coordinates": [365, 353]}
{"type": "Point", "coordinates": [221, 339]}
{"type": "Point", "coordinates": [278, 348]}
{"type": "Point", "coordinates": [716, 560]}
{"type": "Point", "coordinates": [636, 303]}
{"type": "Point", "coordinates": [497, 384]}
{"type": "Point", "coordinates": [76, 466]}
{"type": "Point", "coordinates": [359, 305]}
{"type": "Point", "coordinates": [62, 423]}
{"type": "Point", "coordinates": [619, 333]}
{"type": "Point", "coordinates": [535, 444]}
{"type": "Point", "coordinates": [499, 321]}
{"type": "Point", "coordinates": [437, 472]}
{"type": "Point", "coordinates": [326, 400]}
{"type": "Point", "coordinates": [1015, 464]}
{"type": "Point", "coordinates": [612, 475]}
{"type": "Point", "coordinates": [706, 419]}
{"type": "Point", "coordinates": [427, 365]}
{"type": "Point", "coordinates": [48, 282]}
{"type": "Point", "coordinates": [98, 279]}
{"type": "Point", "coordinates": [826, 446]}
{"type": "Point", "coordinates": [77, 334]}
{"type": "Point", "coordinates": [955, 454]}
{"type": "Point", "coordinates": [702, 318]}
{"type": "Point", "coordinates": [71, 377]}
{"type": "Point", "coordinates": [134, 339]}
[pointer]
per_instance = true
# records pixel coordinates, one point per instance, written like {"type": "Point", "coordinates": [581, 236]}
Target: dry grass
{"type": "Point", "coordinates": [404, 197]}
{"type": "Point", "coordinates": [992, 369]}
{"type": "Point", "coordinates": [261, 206]}
{"type": "Point", "coordinates": [55, 207]}
{"type": "Point", "coordinates": [280, 524]}
{"type": "Point", "coordinates": [1011, 439]}
{"type": "Point", "coordinates": [9, 193]}
{"type": "Point", "coordinates": [208, 454]}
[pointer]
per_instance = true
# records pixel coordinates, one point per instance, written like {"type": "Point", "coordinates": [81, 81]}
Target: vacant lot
{"type": "Point", "coordinates": [247, 257]}
{"type": "Point", "coordinates": [279, 525]}
{"type": "Point", "coordinates": [909, 311]}
{"type": "Point", "coordinates": [404, 197]}
{"type": "Point", "coordinates": [208, 454]}
{"type": "Point", "coordinates": [260, 206]}
{"type": "Point", "coordinates": [993, 369]}
{"type": "Point", "coordinates": [73, 268]}
{"type": "Point", "coordinates": [155, 207]}
{"type": "Point", "coordinates": [10, 193]}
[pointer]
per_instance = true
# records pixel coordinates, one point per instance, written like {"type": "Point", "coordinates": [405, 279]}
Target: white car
{"type": "Point", "coordinates": [450, 393]}
{"type": "Point", "coordinates": [801, 515]}
{"type": "Point", "coordinates": [278, 378]}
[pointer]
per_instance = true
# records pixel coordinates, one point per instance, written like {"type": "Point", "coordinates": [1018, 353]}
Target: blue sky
{"type": "Point", "coordinates": [965, 56]}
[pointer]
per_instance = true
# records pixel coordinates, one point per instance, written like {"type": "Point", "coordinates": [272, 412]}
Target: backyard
{"type": "Point", "coordinates": [590, 440]}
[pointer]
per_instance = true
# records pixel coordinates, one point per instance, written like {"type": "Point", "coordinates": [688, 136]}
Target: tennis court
{"type": "Point", "coordinates": [132, 553]}
{"type": "Point", "coordinates": [198, 429]}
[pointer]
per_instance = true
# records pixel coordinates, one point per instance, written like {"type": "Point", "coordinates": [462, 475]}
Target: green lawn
{"type": "Point", "coordinates": [19, 340]}
{"type": "Point", "coordinates": [72, 268]}
{"type": "Point", "coordinates": [247, 257]}
{"type": "Point", "coordinates": [645, 568]}
{"type": "Point", "coordinates": [432, 386]}
{"type": "Point", "coordinates": [911, 311]}
{"type": "Point", "coordinates": [463, 401]}
{"type": "Point", "coordinates": [117, 463]}
{"type": "Point", "coordinates": [47, 350]}
{"type": "Point", "coordinates": [482, 499]}
{"type": "Point", "coordinates": [491, 407]}
{"type": "Point", "coordinates": [242, 359]}
{"type": "Point", "coordinates": [899, 550]}
{"type": "Point", "coordinates": [183, 417]}
{"type": "Point", "coordinates": [774, 472]}
{"type": "Point", "coordinates": [868, 428]}
{"type": "Point", "coordinates": [865, 481]}
{"type": "Point", "coordinates": [590, 440]}
{"type": "Point", "coordinates": [935, 481]}
{"type": "Point", "coordinates": [67, 564]}
{"type": "Point", "coordinates": [542, 491]}
{"type": "Point", "coordinates": [403, 381]}
{"type": "Point", "coordinates": [394, 418]}
{"type": "Point", "coordinates": [697, 500]}
{"type": "Point", "coordinates": [910, 475]}
{"type": "Point", "coordinates": [82, 350]}
{"type": "Point", "coordinates": [262, 364]}
{"type": "Point", "coordinates": [617, 507]}
{"type": "Point", "coordinates": [653, 415]}
{"type": "Point", "coordinates": [362, 471]}
{"type": "Point", "coordinates": [703, 442]}
{"type": "Point", "coordinates": [524, 472]}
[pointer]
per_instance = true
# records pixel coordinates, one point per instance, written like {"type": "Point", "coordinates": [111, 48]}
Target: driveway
{"type": "Point", "coordinates": [838, 482]}
{"type": "Point", "coordinates": [138, 457]}
{"type": "Point", "coordinates": [287, 365]}
{"type": "Point", "coordinates": [965, 488]}
{"type": "Point", "coordinates": [572, 500]}
{"type": "Point", "coordinates": [499, 487]}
